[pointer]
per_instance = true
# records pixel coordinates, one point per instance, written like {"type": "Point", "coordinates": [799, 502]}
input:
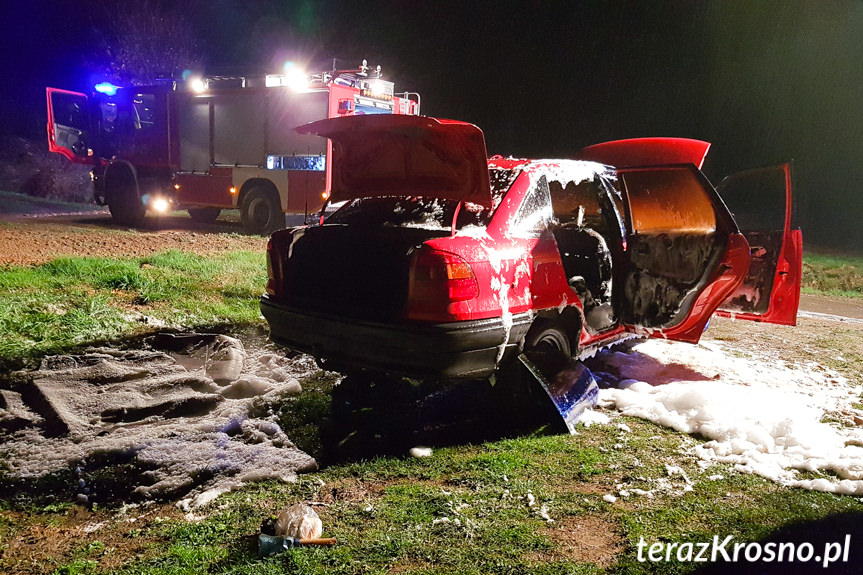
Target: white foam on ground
{"type": "Point", "coordinates": [192, 454]}
{"type": "Point", "coordinates": [762, 416]}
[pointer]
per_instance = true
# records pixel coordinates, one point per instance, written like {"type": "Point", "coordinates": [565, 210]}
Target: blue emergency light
{"type": "Point", "coordinates": [106, 88]}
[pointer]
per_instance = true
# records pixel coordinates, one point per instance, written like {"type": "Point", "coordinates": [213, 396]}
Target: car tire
{"type": "Point", "coordinates": [123, 201]}
{"type": "Point", "coordinates": [206, 215]}
{"type": "Point", "coordinates": [518, 392]}
{"type": "Point", "coordinates": [547, 346]}
{"type": "Point", "coordinates": [260, 211]}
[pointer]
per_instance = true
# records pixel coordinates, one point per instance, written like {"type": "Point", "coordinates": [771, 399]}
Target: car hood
{"type": "Point", "coordinates": [647, 152]}
{"type": "Point", "coordinates": [397, 155]}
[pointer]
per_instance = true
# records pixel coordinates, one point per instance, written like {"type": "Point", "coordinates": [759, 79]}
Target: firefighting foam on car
{"type": "Point", "coordinates": [205, 144]}
{"type": "Point", "coordinates": [443, 266]}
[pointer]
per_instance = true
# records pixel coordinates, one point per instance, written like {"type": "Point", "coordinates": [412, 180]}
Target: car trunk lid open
{"type": "Point", "coordinates": [383, 155]}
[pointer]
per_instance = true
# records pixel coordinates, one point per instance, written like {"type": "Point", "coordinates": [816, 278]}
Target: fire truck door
{"type": "Point", "coordinates": [69, 125]}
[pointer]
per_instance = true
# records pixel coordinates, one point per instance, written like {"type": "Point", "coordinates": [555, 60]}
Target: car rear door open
{"type": "Point", "coordinates": [684, 255]}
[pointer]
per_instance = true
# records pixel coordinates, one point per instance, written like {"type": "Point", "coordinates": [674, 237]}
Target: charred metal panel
{"type": "Point", "coordinates": [572, 390]}
{"type": "Point", "coordinates": [675, 242]}
{"type": "Point", "coordinates": [351, 271]}
{"type": "Point", "coordinates": [761, 202]}
{"type": "Point", "coordinates": [668, 200]}
{"type": "Point", "coordinates": [753, 295]}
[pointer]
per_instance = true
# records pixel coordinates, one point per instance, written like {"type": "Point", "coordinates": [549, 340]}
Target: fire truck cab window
{"type": "Point", "coordinates": [69, 110]}
{"type": "Point", "coordinates": [145, 111]}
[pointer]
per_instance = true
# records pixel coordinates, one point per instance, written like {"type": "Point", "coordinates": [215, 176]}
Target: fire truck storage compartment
{"type": "Point", "coordinates": [242, 129]}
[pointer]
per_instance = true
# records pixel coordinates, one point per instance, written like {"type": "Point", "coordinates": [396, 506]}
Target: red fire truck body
{"type": "Point", "coordinates": [215, 143]}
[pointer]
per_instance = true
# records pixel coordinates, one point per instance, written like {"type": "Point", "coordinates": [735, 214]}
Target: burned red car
{"type": "Point", "coordinates": [442, 264]}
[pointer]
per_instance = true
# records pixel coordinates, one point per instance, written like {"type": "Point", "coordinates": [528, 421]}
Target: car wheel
{"type": "Point", "coordinates": [123, 201]}
{"type": "Point", "coordinates": [205, 215]}
{"type": "Point", "coordinates": [260, 211]}
{"type": "Point", "coordinates": [547, 347]}
{"type": "Point", "coordinates": [517, 390]}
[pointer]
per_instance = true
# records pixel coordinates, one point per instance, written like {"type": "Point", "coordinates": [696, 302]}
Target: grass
{"type": "Point", "coordinates": [466, 509]}
{"type": "Point", "coordinates": [75, 301]}
{"type": "Point", "coordinates": [836, 275]}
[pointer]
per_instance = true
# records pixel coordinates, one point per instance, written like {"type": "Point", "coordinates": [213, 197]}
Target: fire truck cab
{"type": "Point", "coordinates": [214, 143]}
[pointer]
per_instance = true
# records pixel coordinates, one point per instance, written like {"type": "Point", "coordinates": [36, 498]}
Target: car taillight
{"type": "Point", "coordinates": [437, 279]}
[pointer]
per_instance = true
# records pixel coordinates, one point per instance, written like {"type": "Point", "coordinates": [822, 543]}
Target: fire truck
{"type": "Point", "coordinates": [212, 143]}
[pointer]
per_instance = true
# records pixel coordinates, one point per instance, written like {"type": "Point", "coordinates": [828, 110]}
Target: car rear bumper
{"type": "Point", "coordinates": [465, 349]}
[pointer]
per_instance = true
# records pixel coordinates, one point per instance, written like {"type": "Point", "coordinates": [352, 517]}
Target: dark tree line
{"type": "Point", "coordinates": [140, 42]}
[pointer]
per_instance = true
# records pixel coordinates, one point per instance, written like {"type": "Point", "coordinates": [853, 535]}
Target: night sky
{"type": "Point", "coordinates": [763, 81]}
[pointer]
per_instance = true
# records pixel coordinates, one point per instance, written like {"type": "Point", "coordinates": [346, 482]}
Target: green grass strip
{"type": "Point", "coordinates": [833, 275]}
{"type": "Point", "coordinates": [78, 300]}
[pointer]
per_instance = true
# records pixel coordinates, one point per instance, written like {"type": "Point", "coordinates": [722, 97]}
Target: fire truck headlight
{"type": "Point", "coordinates": [198, 85]}
{"type": "Point", "coordinates": [160, 205]}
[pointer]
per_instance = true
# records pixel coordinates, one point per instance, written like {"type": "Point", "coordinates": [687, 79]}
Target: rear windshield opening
{"type": "Point", "coordinates": [409, 212]}
{"type": "Point", "coordinates": [422, 212]}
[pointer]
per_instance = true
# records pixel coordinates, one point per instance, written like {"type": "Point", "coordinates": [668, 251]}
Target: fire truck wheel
{"type": "Point", "coordinates": [205, 215]}
{"type": "Point", "coordinates": [123, 201]}
{"type": "Point", "coordinates": [261, 212]}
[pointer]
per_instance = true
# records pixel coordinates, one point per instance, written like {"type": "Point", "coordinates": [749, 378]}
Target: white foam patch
{"type": "Point", "coordinates": [759, 414]}
{"type": "Point", "coordinates": [177, 451]}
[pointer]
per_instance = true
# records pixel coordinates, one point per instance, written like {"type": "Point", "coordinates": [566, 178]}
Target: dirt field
{"type": "Point", "coordinates": [36, 240]}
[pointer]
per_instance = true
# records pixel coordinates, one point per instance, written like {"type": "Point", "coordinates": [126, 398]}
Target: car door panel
{"type": "Point", "coordinates": [760, 201]}
{"type": "Point", "coordinates": [684, 256]}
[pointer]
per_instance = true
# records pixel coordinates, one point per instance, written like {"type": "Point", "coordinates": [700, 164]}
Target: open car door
{"type": "Point", "coordinates": [760, 201]}
{"type": "Point", "coordinates": [684, 255]}
{"type": "Point", "coordinates": [69, 125]}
